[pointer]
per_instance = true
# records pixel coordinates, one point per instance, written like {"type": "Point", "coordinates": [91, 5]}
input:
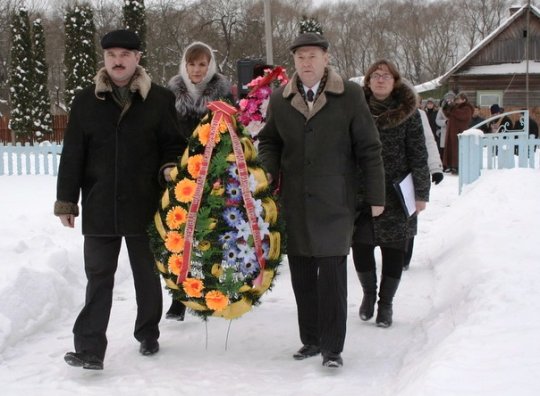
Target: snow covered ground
{"type": "Point", "coordinates": [466, 318]}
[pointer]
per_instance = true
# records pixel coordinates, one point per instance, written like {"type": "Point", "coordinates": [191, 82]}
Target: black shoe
{"type": "Point", "coordinates": [149, 347]}
{"type": "Point", "coordinates": [174, 316]}
{"type": "Point", "coordinates": [405, 267]}
{"type": "Point", "coordinates": [332, 360]}
{"type": "Point", "coordinates": [177, 311]}
{"type": "Point", "coordinates": [307, 351]}
{"type": "Point", "coordinates": [83, 360]}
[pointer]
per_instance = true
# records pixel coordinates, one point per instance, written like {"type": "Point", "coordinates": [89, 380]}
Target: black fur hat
{"type": "Point", "coordinates": [121, 39]}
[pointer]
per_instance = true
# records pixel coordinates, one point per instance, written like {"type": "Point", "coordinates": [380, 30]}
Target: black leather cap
{"type": "Point", "coordinates": [121, 39]}
{"type": "Point", "coordinates": [309, 40]}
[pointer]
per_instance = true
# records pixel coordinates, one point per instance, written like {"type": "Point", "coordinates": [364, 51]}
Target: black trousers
{"type": "Point", "coordinates": [100, 263]}
{"type": "Point", "coordinates": [392, 259]}
{"type": "Point", "coordinates": [320, 290]}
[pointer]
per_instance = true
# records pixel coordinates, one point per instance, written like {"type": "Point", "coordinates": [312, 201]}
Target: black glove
{"type": "Point", "coordinates": [437, 177]}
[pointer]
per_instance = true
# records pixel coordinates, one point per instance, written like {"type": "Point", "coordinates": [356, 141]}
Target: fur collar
{"type": "Point", "coordinates": [186, 104]}
{"type": "Point", "coordinates": [140, 82]}
{"type": "Point", "coordinates": [334, 85]}
{"type": "Point", "coordinates": [404, 100]}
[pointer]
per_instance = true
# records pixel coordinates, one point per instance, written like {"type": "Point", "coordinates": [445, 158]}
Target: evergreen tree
{"type": "Point", "coordinates": [80, 55]}
{"type": "Point", "coordinates": [135, 20]}
{"type": "Point", "coordinates": [310, 25]}
{"type": "Point", "coordinates": [42, 103]}
{"type": "Point", "coordinates": [21, 76]}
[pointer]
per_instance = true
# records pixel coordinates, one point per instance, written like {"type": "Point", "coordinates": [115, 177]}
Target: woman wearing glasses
{"type": "Point", "coordinates": [392, 103]}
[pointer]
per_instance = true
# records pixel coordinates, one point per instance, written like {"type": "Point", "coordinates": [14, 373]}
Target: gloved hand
{"type": "Point", "coordinates": [437, 177]}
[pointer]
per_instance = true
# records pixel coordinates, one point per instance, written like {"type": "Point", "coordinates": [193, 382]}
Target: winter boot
{"type": "Point", "coordinates": [386, 296]}
{"type": "Point", "coordinates": [176, 311]}
{"type": "Point", "coordinates": [368, 280]}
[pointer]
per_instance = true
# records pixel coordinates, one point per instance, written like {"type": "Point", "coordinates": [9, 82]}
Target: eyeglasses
{"type": "Point", "coordinates": [377, 76]}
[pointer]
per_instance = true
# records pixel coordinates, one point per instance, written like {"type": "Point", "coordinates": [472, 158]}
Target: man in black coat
{"type": "Point", "coordinates": [318, 132]}
{"type": "Point", "coordinates": [122, 136]}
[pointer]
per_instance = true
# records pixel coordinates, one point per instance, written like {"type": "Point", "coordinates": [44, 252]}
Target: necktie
{"type": "Point", "coordinates": [309, 95]}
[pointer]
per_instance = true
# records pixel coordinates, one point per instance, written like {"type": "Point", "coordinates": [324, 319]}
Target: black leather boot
{"type": "Point", "coordinates": [177, 311]}
{"type": "Point", "coordinates": [387, 292]}
{"type": "Point", "coordinates": [368, 280]}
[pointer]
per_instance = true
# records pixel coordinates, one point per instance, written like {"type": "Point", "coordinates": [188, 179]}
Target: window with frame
{"type": "Point", "coordinates": [486, 98]}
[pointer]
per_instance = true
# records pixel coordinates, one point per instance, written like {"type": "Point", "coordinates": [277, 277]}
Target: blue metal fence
{"type": "Point", "coordinates": [503, 149]}
{"type": "Point", "coordinates": [30, 160]}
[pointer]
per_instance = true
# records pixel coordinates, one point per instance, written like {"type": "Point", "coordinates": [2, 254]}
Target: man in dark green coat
{"type": "Point", "coordinates": [122, 136]}
{"type": "Point", "coordinates": [319, 130]}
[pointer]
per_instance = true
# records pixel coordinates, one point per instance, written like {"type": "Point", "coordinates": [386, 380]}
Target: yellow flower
{"type": "Point", "coordinates": [185, 190]}
{"type": "Point", "coordinates": [176, 217]}
{"type": "Point", "coordinates": [174, 242]}
{"type": "Point", "coordinates": [175, 264]}
{"type": "Point", "coordinates": [216, 300]}
{"type": "Point", "coordinates": [194, 165]}
{"type": "Point", "coordinates": [193, 287]}
{"type": "Point", "coordinates": [204, 246]}
{"type": "Point", "coordinates": [217, 270]}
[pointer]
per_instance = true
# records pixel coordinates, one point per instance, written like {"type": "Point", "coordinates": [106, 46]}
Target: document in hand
{"type": "Point", "coordinates": [405, 191]}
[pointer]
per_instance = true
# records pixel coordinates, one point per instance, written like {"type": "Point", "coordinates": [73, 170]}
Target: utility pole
{"type": "Point", "coordinates": [268, 33]}
{"type": "Point", "coordinates": [527, 55]}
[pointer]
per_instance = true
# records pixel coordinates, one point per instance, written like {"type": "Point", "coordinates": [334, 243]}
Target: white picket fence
{"type": "Point", "coordinates": [501, 150]}
{"type": "Point", "coordinates": [30, 160]}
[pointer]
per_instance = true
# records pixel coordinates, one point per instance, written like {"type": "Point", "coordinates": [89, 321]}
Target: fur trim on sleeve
{"type": "Point", "coordinates": [64, 208]}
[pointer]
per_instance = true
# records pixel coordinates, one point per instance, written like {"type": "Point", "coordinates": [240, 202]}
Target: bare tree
{"type": "Point", "coordinates": [478, 18]}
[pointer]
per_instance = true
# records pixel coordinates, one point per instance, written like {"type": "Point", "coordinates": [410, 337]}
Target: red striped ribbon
{"type": "Point", "coordinates": [222, 111]}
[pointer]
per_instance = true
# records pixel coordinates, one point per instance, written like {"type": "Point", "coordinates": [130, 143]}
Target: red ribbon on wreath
{"type": "Point", "coordinates": [222, 112]}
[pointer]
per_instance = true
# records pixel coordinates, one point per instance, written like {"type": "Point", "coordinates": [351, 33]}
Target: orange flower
{"type": "Point", "coordinates": [204, 134]}
{"type": "Point", "coordinates": [194, 165]}
{"type": "Point", "coordinates": [185, 190]}
{"type": "Point", "coordinates": [176, 217]}
{"type": "Point", "coordinates": [175, 264]}
{"type": "Point", "coordinates": [223, 127]}
{"type": "Point", "coordinates": [193, 287]}
{"type": "Point", "coordinates": [174, 242]}
{"type": "Point", "coordinates": [216, 300]}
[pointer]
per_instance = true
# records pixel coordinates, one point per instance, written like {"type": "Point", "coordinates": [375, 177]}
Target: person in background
{"type": "Point", "coordinates": [393, 105]}
{"type": "Point", "coordinates": [435, 168]}
{"type": "Point", "coordinates": [501, 124]}
{"type": "Point", "coordinates": [122, 137]}
{"type": "Point", "coordinates": [442, 120]}
{"type": "Point", "coordinates": [431, 113]}
{"type": "Point", "coordinates": [459, 119]}
{"type": "Point", "coordinates": [477, 119]}
{"type": "Point", "coordinates": [533, 129]}
{"type": "Point", "coordinates": [318, 133]}
{"type": "Point", "coordinates": [533, 125]}
{"type": "Point", "coordinates": [196, 84]}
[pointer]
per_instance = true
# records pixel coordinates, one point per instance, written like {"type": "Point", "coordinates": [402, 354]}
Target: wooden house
{"type": "Point", "coordinates": [504, 68]}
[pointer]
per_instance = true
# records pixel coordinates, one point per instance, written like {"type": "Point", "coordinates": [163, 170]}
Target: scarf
{"type": "Point", "coordinates": [300, 86]}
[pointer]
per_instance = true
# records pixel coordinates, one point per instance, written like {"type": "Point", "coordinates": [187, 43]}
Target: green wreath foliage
{"type": "Point", "coordinates": [221, 278]}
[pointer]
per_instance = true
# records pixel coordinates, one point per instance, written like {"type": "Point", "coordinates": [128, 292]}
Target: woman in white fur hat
{"type": "Point", "coordinates": [196, 84]}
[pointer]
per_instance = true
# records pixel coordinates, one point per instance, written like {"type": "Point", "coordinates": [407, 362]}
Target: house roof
{"type": "Point", "coordinates": [483, 43]}
{"type": "Point", "coordinates": [503, 68]}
